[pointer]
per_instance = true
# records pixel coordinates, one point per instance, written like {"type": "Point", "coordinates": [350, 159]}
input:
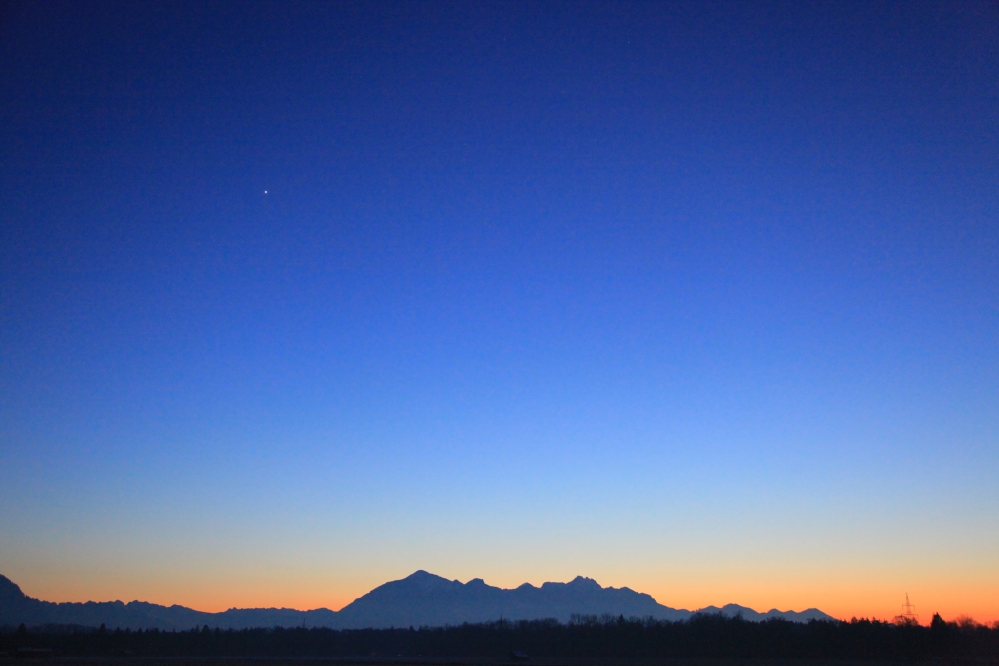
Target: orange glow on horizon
{"type": "Point", "coordinates": [842, 602]}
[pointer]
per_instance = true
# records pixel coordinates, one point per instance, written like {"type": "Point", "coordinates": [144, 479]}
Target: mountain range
{"type": "Point", "coordinates": [419, 600]}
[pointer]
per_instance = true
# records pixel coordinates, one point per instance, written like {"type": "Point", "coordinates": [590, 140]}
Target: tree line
{"type": "Point", "coordinates": [703, 636]}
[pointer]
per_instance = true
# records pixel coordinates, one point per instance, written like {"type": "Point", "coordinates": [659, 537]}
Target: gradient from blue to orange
{"type": "Point", "coordinates": [701, 299]}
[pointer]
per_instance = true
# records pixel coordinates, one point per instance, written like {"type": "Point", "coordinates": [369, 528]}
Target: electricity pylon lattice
{"type": "Point", "coordinates": [909, 611]}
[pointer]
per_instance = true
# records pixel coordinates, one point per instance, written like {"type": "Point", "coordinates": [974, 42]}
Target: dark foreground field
{"type": "Point", "coordinates": [702, 640]}
{"type": "Point", "coordinates": [371, 661]}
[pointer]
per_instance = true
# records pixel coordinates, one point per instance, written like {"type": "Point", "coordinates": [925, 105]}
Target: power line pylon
{"type": "Point", "coordinates": [909, 612]}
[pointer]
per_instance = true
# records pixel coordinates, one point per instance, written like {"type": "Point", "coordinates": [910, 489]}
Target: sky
{"type": "Point", "coordinates": [701, 299]}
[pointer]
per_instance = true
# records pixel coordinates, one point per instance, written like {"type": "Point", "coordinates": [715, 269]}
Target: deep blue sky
{"type": "Point", "coordinates": [700, 298]}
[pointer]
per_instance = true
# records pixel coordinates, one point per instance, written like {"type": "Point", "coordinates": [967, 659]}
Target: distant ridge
{"type": "Point", "coordinates": [16, 607]}
{"type": "Point", "coordinates": [429, 600]}
{"type": "Point", "coordinates": [419, 600]}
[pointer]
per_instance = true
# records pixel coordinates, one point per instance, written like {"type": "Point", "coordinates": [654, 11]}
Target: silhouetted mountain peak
{"type": "Point", "coordinates": [581, 582]}
{"type": "Point", "coordinates": [736, 608]}
{"type": "Point", "coordinates": [577, 584]}
{"type": "Point", "coordinates": [420, 574]}
{"type": "Point", "coordinates": [9, 591]}
{"type": "Point", "coordinates": [728, 610]}
{"type": "Point", "coordinates": [422, 580]}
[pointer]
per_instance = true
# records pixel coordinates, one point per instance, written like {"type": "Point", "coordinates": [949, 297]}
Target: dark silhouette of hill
{"type": "Point", "coordinates": [735, 610]}
{"type": "Point", "coordinates": [17, 608]}
{"type": "Point", "coordinates": [419, 600]}
{"type": "Point", "coordinates": [424, 599]}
